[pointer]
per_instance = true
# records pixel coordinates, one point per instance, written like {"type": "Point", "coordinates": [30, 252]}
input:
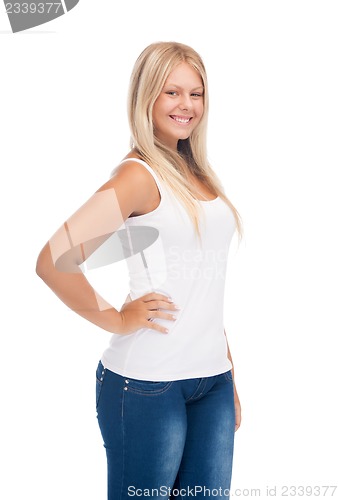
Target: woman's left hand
{"type": "Point", "coordinates": [238, 416]}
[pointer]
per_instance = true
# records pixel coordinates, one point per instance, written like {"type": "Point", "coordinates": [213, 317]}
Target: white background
{"type": "Point", "coordinates": [272, 67]}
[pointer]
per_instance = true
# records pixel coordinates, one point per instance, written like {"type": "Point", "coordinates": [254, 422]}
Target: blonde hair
{"type": "Point", "coordinates": [148, 77]}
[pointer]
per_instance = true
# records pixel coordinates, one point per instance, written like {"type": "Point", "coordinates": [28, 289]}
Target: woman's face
{"type": "Point", "coordinates": [179, 107]}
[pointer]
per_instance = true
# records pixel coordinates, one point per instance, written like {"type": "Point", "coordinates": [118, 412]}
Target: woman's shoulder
{"type": "Point", "coordinates": [132, 162]}
{"type": "Point", "coordinates": [130, 179]}
{"type": "Point", "coordinates": [136, 170]}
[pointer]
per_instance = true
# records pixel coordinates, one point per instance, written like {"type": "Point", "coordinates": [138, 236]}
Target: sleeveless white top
{"type": "Point", "coordinates": [176, 265]}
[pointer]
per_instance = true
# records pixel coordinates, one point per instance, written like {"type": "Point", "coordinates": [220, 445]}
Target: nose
{"type": "Point", "coordinates": [185, 102]}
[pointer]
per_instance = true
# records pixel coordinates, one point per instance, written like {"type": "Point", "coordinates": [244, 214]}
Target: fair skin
{"type": "Point", "coordinates": [238, 412]}
{"type": "Point", "coordinates": [179, 107]}
{"type": "Point", "coordinates": [130, 191]}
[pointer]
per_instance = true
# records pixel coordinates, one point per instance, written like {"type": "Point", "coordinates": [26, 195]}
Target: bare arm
{"type": "Point", "coordinates": [230, 358]}
{"type": "Point", "coordinates": [58, 263]}
{"type": "Point", "coordinates": [236, 398]}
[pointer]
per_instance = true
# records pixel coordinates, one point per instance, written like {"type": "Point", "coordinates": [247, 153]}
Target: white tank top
{"type": "Point", "coordinates": [194, 277]}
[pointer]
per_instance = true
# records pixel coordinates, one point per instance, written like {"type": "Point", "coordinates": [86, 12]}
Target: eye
{"type": "Point", "coordinates": [196, 94]}
{"type": "Point", "coordinates": [171, 92]}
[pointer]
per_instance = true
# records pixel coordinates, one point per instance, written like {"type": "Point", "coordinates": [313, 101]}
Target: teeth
{"type": "Point", "coordinates": [181, 120]}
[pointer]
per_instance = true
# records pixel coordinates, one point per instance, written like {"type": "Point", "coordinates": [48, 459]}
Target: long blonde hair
{"type": "Point", "coordinates": [148, 77]}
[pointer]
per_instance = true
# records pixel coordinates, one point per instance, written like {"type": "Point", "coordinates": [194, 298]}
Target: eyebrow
{"type": "Point", "coordinates": [180, 88]}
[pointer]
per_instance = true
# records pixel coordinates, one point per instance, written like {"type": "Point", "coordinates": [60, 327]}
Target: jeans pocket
{"type": "Point", "coordinates": [146, 387]}
{"type": "Point", "coordinates": [100, 374]}
{"type": "Point", "coordinates": [228, 376]}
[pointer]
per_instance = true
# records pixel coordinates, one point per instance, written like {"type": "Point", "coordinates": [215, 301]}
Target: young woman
{"type": "Point", "coordinates": [166, 401]}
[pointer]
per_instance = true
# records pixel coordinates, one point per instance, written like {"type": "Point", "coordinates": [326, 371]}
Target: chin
{"type": "Point", "coordinates": [183, 137]}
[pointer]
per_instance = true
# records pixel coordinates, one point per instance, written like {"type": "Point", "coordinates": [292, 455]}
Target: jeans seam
{"type": "Point", "coordinates": [100, 382]}
{"type": "Point", "coordinates": [123, 443]}
{"type": "Point", "coordinates": [196, 390]}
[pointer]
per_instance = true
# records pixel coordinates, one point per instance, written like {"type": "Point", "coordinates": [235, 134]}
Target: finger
{"type": "Point", "coordinates": [162, 315]}
{"type": "Point", "coordinates": [157, 327]}
{"type": "Point", "coordinates": [156, 296]}
{"type": "Point", "coordinates": [154, 305]}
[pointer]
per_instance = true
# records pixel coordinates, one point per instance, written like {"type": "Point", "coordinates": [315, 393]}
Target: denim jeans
{"type": "Point", "coordinates": [166, 440]}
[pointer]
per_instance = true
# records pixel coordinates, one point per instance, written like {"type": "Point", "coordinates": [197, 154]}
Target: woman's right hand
{"type": "Point", "coordinates": [138, 313]}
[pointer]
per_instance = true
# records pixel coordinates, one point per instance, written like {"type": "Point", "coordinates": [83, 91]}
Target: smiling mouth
{"type": "Point", "coordinates": [184, 120]}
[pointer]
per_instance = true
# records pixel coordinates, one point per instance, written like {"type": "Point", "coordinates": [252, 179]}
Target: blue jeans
{"type": "Point", "coordinates": [166, 439]}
